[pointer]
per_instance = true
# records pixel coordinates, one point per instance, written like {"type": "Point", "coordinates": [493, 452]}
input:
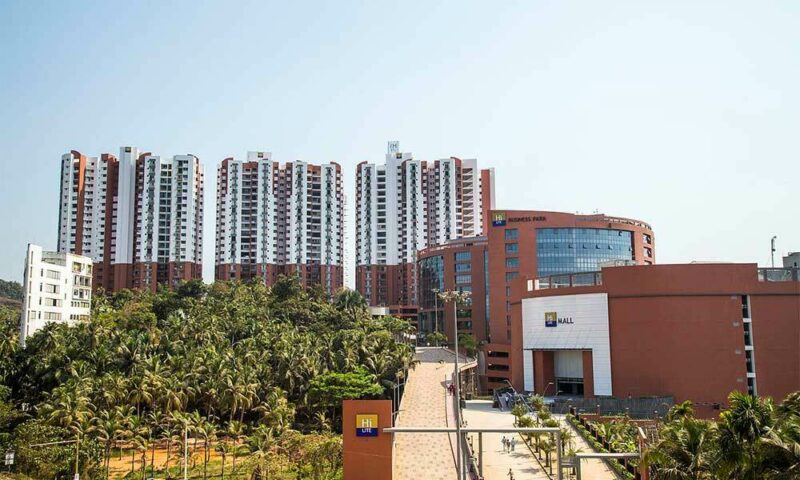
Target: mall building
{"type": "Point", "coordinates": [518, 243]}
{"type": "Point", "coordinates": [694, 332]}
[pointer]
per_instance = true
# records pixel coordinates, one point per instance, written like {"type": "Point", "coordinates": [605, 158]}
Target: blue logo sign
{"type": "Point", "coordinates": [550, 319]}
{"type": "Point", "coordinates": [498, 219]}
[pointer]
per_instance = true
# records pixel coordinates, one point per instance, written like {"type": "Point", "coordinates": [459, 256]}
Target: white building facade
{"type": "Point", "coordinates": [405, 205]}
{"type": "Point", "coordinates": [275, 219]}
{"type": "Point", "coordinates": [57, 288]}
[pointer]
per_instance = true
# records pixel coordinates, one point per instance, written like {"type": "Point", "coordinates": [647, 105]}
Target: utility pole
{"type": "Point", "coordinates": [772, 250]}
{"type": "Point", "coordinates": [185, 453]}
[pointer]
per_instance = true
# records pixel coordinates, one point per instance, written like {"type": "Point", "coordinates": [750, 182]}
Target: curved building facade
{"type": "Point", "coordinates": [519, 243]}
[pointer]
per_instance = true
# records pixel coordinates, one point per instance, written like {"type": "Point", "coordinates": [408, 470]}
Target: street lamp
{"type": "Point", "coordinates": [772, 250]}
{"type": "Point", "coordinates": [550, 384]}
{"type": "Point", "coordinates": [436, 292]}
{"type": "Point", "coordinates": [456, 297]}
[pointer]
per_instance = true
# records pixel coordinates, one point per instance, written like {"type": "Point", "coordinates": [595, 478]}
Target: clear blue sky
{"type": "Point", "coordinates": [682, 114]}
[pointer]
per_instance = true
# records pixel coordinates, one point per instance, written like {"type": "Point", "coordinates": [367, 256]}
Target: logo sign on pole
{"type": "Point", "coordinates": [366, 425]}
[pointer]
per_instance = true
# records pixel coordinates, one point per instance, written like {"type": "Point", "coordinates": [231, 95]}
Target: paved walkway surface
{"type": "Point", "coordinates": [479, 413]}
{"type": "Point", "coordinates": [430, 455]}
{"type": "Point", "coordinates": [593, 468]}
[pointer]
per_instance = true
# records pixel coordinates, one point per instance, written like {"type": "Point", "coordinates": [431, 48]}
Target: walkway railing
{"type": "Point", "coordinates": [480, 431]}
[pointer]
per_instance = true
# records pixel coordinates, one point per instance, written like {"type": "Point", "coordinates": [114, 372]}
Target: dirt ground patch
{"type": "Point", "coordinates": [120, 466]}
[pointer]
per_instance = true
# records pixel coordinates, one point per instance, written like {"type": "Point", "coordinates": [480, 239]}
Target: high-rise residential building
{"type": "Point", "coordinates": [57, 287]}
{"type": "Point", "coordinates": [139, 217]}
{"type": "Point", "coordinates": [275, 219]}
{"type": "Point", "coordinates": [405, 205]}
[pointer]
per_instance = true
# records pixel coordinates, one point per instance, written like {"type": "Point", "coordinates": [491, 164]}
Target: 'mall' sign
{"type": "Point", "coordinates": [551, 319]}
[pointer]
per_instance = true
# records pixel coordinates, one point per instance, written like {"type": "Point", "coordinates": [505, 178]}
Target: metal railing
{"type": "Point", "coordinates": [788, 274]}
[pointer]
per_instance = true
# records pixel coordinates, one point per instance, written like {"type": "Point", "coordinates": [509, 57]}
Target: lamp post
{"type": "Point", "coordinates": [772, 249]}
{"type": "Point", "coordinates": [456, 297]}
{"type": "Point", "coordinates": [544, 394]}
{"type": "Point", "coordinates": [436, 292]}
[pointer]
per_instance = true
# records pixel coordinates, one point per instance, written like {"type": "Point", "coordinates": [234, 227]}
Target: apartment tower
{"type": "Point", "coordinates": [139, 217]}
{"type": "Point", "coordinates": [406, 205]}
{"type": "Point", "coordinates": [275, 219]}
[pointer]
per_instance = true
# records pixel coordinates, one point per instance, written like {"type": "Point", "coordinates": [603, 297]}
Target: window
{"type": "Point", "coordinates": [462, 256]}
{"type": "Point", "coordinates": [511, 276]}
{"type": "Point", "coordinates": [53, 275]}
{"type": "Point", "coordinates": [512, 247]}
{"type": "Point", "coordinates": [463, 278]}
{"type": "Point", "coordinates": [512, 234]}
{"type": "Point", "coordinates": [463, 267]}
{"type": "Point", "coordinates": [512, 262]}
{"type": "Point", "coordinates": [576, 250]}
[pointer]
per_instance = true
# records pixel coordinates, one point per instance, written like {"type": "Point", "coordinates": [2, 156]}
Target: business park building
{"type": "Point", "coordinates": [575, 305]}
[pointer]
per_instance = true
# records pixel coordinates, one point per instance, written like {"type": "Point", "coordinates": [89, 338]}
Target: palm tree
{"type": "Point", "coordinates": [69, 406]}
{"type": "Point", "coordinates": [236, 432]}
{"type": "Point", "coordinates": [107, 427]}
{"type": "Point", "coordinates": [351, 302]}
{"type": "Point", "coordinates": [686, 450]}
{"type": "Point", "coordinates": [740, 430]}
{"type": "Point", "coordinates": [224, 449]}
{"type": "Point", "coordinates": [680, 410]}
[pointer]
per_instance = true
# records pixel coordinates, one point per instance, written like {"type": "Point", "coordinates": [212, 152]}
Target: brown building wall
{"type": "Point", "coordinates": [308, 274]}
{"type": "Point", "coordinates": [679, 330]}
{"type": "Point", "coordinates": [476, 247]}
{"type": "Point", "coordinates": [501, 331]}
{"type": "Point", "coordinates": [776, 336]}
{"type": "Point", "coordinates": [387, 284]}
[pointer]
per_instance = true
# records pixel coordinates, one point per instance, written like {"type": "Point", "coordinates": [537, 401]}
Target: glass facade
{"type": "Point", "coordinates": [572, 250]}
{"type": "Point", "coordinates": [431, 271]}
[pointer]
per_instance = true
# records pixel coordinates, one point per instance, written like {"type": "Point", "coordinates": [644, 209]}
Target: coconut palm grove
{"type": "Point", "coordinates": [246, 381]}
{"type": "Point", "coordinates": [235, 380]}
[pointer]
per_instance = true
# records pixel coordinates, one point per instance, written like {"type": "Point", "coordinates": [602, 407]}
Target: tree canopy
{"type": "Point", "coordinates": [224, 358]}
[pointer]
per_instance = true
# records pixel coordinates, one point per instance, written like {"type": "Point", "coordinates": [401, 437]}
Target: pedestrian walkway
{"type": "Point", "coordinates": [497, 462]}
{"type": "Point", "coordinates": [424, 404]}
{"type": "Point", "coordinates": [591, 468]}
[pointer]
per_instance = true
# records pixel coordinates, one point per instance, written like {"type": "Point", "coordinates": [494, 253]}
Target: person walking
{"type": "Point", "coordinates": [504, 443]}
{"type": "Point", "coordinates": [510, 474]}
{"type": "Point", "coordinates": [513, 443]}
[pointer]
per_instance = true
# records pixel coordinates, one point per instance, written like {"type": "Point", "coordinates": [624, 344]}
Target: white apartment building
{"type": "Point", "coordinates": [275, 219]}
{"type": "Point", "coordinates": [57, 288]}
{"type": "Point", "coordinates": [168, 216]}
{"type": "Point", "coordinates": [138, 217]}
{"type": "Point", "coordinates": [405, 205]}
